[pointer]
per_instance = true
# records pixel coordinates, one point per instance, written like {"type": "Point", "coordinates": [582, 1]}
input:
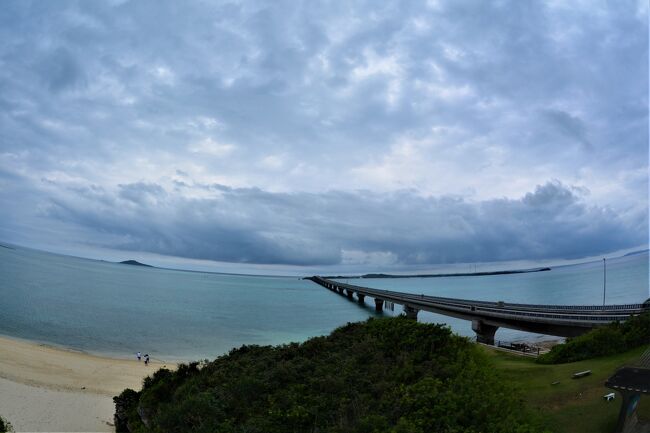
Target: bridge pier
{"type": "Point", "coordinates": [379, 305]}
{"type": "Point", "coordinates": [484, 332]}
{"type": "Point", "coordinates": [339, 289]}
{"type": "Point", "coordinates": [349, 293]}
{"type": "Point", "coordinates": [361, 298]}
{"type": "Point", "coordinates": [411, 313]}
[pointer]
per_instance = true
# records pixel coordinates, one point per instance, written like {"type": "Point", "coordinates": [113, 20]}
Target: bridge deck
{"type": "Point", "coordinates": [562, 320]}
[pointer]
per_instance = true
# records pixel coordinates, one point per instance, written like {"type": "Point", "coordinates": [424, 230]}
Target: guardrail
{"type": "Point", "coordinates": [509, 304]}
{"type": "Point", "coordinates": [607, 313]}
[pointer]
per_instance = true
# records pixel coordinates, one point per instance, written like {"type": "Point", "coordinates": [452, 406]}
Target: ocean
{"type": "Point", "coordinates": [116, 310]}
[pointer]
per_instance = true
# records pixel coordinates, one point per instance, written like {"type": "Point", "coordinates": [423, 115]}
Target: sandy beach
{"type": "Point", "coordinates": [43, 388]}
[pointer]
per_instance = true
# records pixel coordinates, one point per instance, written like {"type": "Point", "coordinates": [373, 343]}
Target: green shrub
{"type": "Point", "coordinates": [384, 375]}
{"type": "Point", "coordinates": [5, 426]}
{"type": "Point", "coordinates": [607, 340]}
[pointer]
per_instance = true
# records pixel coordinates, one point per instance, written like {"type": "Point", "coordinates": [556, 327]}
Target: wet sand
{"type": "Point", "coordinates": [43, 388]}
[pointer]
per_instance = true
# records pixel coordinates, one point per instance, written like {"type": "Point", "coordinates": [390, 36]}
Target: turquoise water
{"type": "Point", "coordinates": [115, 309]}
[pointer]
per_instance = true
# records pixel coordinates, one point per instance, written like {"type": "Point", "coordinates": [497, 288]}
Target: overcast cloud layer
{"type": "Point", "coordinates": [325, 133]}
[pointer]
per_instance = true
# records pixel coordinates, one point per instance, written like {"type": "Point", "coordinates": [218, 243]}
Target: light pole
{"type": "Point", "coordinates": [604, 279]}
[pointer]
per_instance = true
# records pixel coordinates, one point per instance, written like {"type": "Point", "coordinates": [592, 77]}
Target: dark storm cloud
{"type": "Point", "coordinates": [571, 127]}
{"type": "Point", "coordinates": [60, 71]}
{"type": "Point", "coordinates": [141, 193]}
{"type": "Point", "coordinates": [244, 131]}
{"type": "Point", "coordinates": [253, 226]}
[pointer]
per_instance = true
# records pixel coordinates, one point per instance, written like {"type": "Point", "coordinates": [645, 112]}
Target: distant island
{"type": "Point", "coordinates": [135, 263]}
{"type": "Point", "coordinates": [463, 274]}
{"type": "Point", "coordinates": [634, 253]}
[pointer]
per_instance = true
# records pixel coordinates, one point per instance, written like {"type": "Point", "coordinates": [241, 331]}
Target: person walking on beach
{"type": "Point", "coordinates": [139, 356]}
{"type": "Point", "coordinates": [146, 358]}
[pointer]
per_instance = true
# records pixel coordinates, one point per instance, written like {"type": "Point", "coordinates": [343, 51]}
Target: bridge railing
{"type": "Point", "coordinates": [511, 304]}
{"type": "Point", "coordinates": [500, 305]}
{"type": "Point", "coordinates": [603, 314]}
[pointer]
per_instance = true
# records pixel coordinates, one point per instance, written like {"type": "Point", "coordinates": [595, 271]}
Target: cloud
{"type": "Point", "coordinates": [141, 193]}
{"type": "Point", "coordinates": [60, 70]}
{"type": "Point", "coordinates": [211, 147]}
{"type": "Point", "coordinates": [216, 113]}
{"type": "Point", "coordinates": [567, 125]}
{"type": "Point", "coordinates": [249, 225]}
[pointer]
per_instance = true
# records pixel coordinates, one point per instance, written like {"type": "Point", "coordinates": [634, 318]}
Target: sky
{"type": "Point", "coordinates": [376, 135]}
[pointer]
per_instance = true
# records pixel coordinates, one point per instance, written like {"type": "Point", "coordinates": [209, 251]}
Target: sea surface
{"type": "Point", "coordinates": [114, 309]}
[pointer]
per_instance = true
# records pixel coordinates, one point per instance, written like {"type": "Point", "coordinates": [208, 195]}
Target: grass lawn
{"type": "Point", "coordinates": [573, 405]}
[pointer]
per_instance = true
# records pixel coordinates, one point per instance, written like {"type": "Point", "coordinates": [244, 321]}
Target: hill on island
{"type": "Point", "coordinates": [135, 263]}
{"type": "Point", "coordinates": [389, 375]}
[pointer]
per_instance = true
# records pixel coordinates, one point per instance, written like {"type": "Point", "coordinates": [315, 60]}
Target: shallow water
{"type": "Point", "coordinates": [117, 309]}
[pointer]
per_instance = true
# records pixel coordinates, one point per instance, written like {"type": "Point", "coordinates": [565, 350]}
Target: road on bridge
{"type": "Point", "coordinates": [487, 317]}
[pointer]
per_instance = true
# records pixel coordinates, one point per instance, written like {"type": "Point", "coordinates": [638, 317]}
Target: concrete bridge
{"type": "Point", "coordinates": [487, 317]}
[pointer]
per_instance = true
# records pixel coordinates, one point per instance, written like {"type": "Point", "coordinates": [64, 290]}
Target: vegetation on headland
{"type": "Point", "coordinates": [5, 426]}
{"type": "Point", "coordinates": [383, 375]}
{"type": "Point", "coordinates": [607, 340]}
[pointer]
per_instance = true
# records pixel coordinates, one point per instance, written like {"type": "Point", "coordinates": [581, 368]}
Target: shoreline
{"type": "Point", "coordinates": [46, 388]}
{"type": "Point", "coordinates": [114, 355]}
{"type": "Point", "coordinates": [43, 365]}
